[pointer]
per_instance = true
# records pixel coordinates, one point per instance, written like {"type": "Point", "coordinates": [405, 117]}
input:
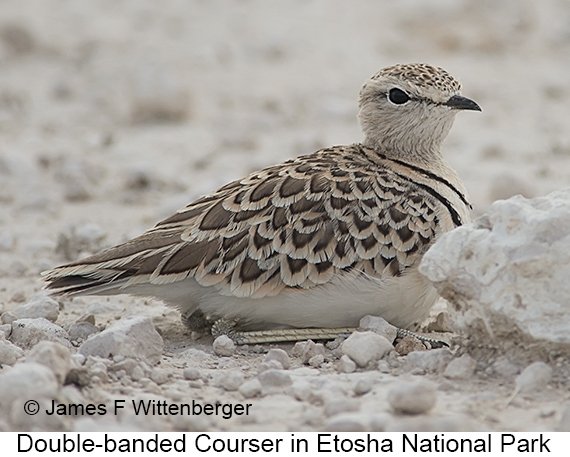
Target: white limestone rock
{"type": "Point", "coordinates": [365, 347]}
{"type": "Point", "coordinates": [507, 273]}
{"type": "Point", "coordinates": [134, 337]}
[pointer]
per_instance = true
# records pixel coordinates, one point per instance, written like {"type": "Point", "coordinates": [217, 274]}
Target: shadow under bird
{"type": "Point", "coordinates": [314, 243]}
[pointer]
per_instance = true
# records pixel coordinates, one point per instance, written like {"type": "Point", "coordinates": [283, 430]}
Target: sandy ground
{"type": "Point", "coordinates": [117, 113]}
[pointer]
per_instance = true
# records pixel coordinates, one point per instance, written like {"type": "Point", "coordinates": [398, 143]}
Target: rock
{"type": "Point", "coordinates": [26, 333]}
{"type": "Point", "coordinates": [365, 347]}
{"type": "Point", "coordinates": [317, 360]}
{"type": "Point", "coordinates": [507, 273]}
{"type": "Point", "coordinates": [8, 317]}
{"type": "Point", "coordinates": [159, 375]}
{"type": "Point", "coordinates": [134, 337]}
{"type": "Point", "coordinates": [412, 397]}
{"type": "Point", "coordinates": [27, 381]}
{"type": "Point", "coordinates": [409, 344]}
{"type": "Point", "coordinates": [534, 378]}
{"type": "Point", "coordinates": [349, 422]}
{"type": "Point", "coordinates": [378, 325]}
{"type": "Point", "coordinates": [564, 425]}
{"type": "Point", "coordinates": [54, 356]}
{"type": "Point", "coordinates": [346, 364]}
{"type": "Point", "coordinates": [302, 389]}
{"type": "Point", "coordinates": [280, 355]}
{"type": "Point", "coordinates": [39, 306]}
{"type": "Point", "coordinates": [5, 331]}
{"type": "Point", "coordinates": [434, 361]}
{"type": "Point", "coordinates": [274, 380]}
{"type": "Point", "coordinates": [269, 365]}
{"type": "Point", "coordinates": [461, 368]}
{"type": "Point", "coordinates": [441, 324]}
{"type": "Point", "coordinates": [251, 388]}
{"type": "Point", "coordinates": [9, 353]}
{"type": "Point", "coordinates": [191, 373]}
{"type": "Point", "coordinates": [80, 331]}
{"type": "Point", "coordinates": [363, 386]}
{"type": "Point", "coordinates": [305, 350]}
{"type": "Point", "coordinates": [232, 380]}
{"type": "Point", "coordinates": [224, 346]}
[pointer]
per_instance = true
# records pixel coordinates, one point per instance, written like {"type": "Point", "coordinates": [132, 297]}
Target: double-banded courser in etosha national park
{"type": "Point", "coordinates": [312, 244]}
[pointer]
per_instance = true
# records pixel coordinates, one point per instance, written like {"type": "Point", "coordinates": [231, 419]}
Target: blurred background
{"type": "Point", "coordinates": [115, 113]}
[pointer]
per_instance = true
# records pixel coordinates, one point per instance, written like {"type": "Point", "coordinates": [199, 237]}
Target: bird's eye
{"type": "Point", "coordinates": [398, 96]}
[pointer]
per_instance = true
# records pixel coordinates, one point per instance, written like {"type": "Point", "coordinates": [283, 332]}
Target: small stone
{"type": "Point", "coordinates": [80, 331]}
{"type": "Point", "coordinates": [280, 355]}
{"type": "Point", "coordinates": [251, 388]}
{"type": "Point", "coordinates": [534, 378]}
{"type": "Point", "coordinates": [39, 306]}
{"type": "Point", "coordinates": [412, 397]}
{"type": "Point", "coordinates": [383, 366]}
{"type": "Point", "coordinates": [137, 374]}
{"type": "Point", "coordinates": [159, 375]}
{"type": "Point", "coordinates": [346, 364]}
{"type": "Point", "coordinates": [8, 317]}
{"type": "Point", "coordinates": [441, 324]}
{"type": "Point", "coordinates": [191, 373]}
{"type": "Point", "coordinates": [9, 353]}
{"type": "Point", "coordinates": [365, 347]}
{"type": "Point", "coordinates": [380, 326]}
{"type": "Point", "coordinates": [274, 379]}
{"type": "Point", "coordinates": [5, 330]}
{"type": "Point", "coordinates": [434, 361]}
{"type": "Point", "coordinates": [317, 360]}
{"type": "Point", "coordinates": [27, 381]}
{"type": "Point", "coordinates": [461, 368]}
{"type": "Point", "coordinates": [224, 346]}
{"type": "Point", "coordinates": [362, 386]}
{"type": "Point", "coordinates": [54, 356]}
{"type": "Point", "coordinates": [134, 337]}
{"type": "Point", "coordinates": [409, 344]}
{"type": "Point", "coordinates": [307, 349]}
{"type": "Point", "coordinates": [232, 380]}
{"type": "Point", "coordinates": [26, 333]}
{"type": "Point", "coordinates": [302, 390]}
{"type": "Point", "coordinates": [269, 365]}
{"type": "Point", "coordinates": [346, 423]}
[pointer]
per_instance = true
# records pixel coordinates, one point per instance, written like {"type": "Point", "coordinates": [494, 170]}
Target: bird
{"type": "Point", "coordinates": [313, 244]}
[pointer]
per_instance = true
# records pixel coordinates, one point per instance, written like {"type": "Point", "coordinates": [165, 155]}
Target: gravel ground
{"type": "Point", "coordinates": [114, 114]}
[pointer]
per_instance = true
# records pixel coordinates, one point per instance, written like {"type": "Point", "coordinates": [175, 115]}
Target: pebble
{"type": "Point", "coordinates": [26, 381]}
{"type": "Point", "coordinates": [224, 346]}
{"type": "Point", "coordinates": [363, 386]}
{"type": "Point", "coordinates": [347, 423]}
{"type": "Point", "coordinates": [8, 317]}
{"type": "Point", "coordinates": [9, 353]}
{"type": "Point", "coordinates": [434, 361]}
{"type": "Point", "coordinates": [232, 380]}
{"type": "Point", "coordinates": [461, 368]}
{"type": "Point", "coordinates": [302, 389]}
{"type": "Point", "coordinates": [409, 344]}
{"type": "Point", "coordinates": [317, 360]}
{"type": "Point", "coordinates": [52, 355]}
{"type": "Point", "coordinates": [26, 333]}
{"type": "Point", "coordinates": [346, 364]}
{"type": "Point", "coordinates": [412, 397]}
{"type": "Point", "coordinates": [305, 350]}
{"type": "Point", "coordinates": [251, 388]}
{"type": "Point", "coordinates": [159, 375]}
{"type": "Point", "coordinates": [269, 365]}
{"type": "Point", "coordinates": [191, 373]}
{"type": "Point", "coordinates": [39, 306]}
{"type": "Point", "coordinates": [80, 331]}
{"type": "Point", "coordinates": [127, 365]}
{"type": "Point", "coordinates": [383, 366]}
{"type": "Point", "coordinates": [365, 347]}
{"type": "Point", "coordinates": [534, 378]}
{"type": "Point", "coordinates": [380, 326]}
{"type": "Point", "coordinates": [274, 380]}
{"type": "Point", "coordinates": [280, 355]}
{"type": "Point", "coordinates": [134, 337]}
{"type": "Point", "coordinates": [5, 330]}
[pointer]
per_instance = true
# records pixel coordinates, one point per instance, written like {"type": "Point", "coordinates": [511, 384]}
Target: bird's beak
{"type": "Point", "coordinates": [459, 102]}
